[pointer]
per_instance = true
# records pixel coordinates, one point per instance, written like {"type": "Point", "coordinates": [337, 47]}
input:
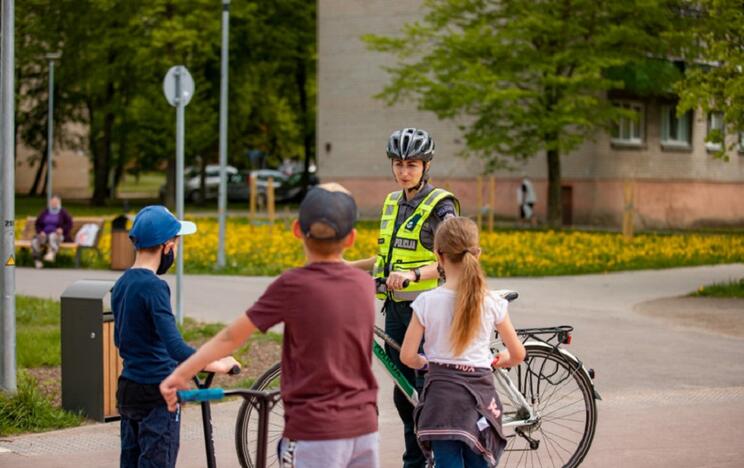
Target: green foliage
{"type": "Point", "coordinates": [29, 411]}
{"type": "Point", "coordinates": [733, 288]}
{"type": "Point", "coordinates": [521, 76]}
{"type": "Point", "coordinates": [650, 77]}
{"type": "Point", "coordinates": [115, 54]}
{"type": "Point", "coordinates": [714, 80]}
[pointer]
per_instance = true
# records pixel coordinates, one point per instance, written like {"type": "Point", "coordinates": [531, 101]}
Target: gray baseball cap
{"type": "Point", "coordinates": [335, 209]}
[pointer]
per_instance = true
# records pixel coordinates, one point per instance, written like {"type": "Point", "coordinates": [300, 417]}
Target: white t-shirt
{"type": "Point", "coordinates": [435, 310]}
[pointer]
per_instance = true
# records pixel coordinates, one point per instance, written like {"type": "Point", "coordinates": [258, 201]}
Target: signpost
{"type": "Point", "coordinates": [7, 189]}
{"type": "Point", "coordinates": [222, 203]}
{"type": "Point", "coordinates": [178, 87]}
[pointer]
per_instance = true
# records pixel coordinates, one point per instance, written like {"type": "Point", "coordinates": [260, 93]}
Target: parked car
{"type": "Point", "coordinates": [236, 185]}
{"type": "Point", "coordinates": [286, 187]}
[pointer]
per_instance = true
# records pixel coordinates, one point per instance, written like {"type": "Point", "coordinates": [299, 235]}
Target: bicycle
{"type": "Point", "coordinates": [549, 401]}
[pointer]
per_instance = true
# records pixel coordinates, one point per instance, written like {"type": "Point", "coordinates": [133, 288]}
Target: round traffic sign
{"type": "Point", "coordinates": [170, 83]}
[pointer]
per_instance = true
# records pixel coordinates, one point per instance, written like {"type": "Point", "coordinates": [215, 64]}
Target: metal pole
{"type": "Point", "coordinates": [179, 191]}
{"type": "Point", "coordinates": [50, 130]}
{"type": "Point", "coordinates": [7, 152]}
{"type": "Point", "coordinates": [222, 203]}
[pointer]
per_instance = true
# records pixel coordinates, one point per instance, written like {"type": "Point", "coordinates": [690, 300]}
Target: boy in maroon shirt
{"type": "Point", "coordinates": [327, 386]}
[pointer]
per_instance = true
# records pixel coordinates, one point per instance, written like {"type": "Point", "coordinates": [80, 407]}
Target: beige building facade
{"type": "Point", "coordinates": [70, 174]}
{"type": "Point", "coordinates": [676, 180]}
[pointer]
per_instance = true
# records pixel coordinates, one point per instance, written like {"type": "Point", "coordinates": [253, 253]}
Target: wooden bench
{"type": "Point", "coordinates": [29, 231]}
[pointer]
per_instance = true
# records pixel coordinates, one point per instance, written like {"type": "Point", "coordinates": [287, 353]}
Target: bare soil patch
{"type": "Point", "coordinates": [256, 357]}
{"type": "Point", "coordinates": [723, 316]}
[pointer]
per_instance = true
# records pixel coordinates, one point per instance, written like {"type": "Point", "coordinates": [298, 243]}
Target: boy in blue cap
{"type": "Point", "coordinates": [149, 342]}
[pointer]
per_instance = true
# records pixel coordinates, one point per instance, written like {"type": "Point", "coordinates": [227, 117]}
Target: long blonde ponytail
{"type": "Point", "coordinates": [457, 241]}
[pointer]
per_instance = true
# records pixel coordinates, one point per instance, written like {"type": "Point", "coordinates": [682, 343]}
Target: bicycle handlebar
{"type": "Point", "coordinates": [381, 284]}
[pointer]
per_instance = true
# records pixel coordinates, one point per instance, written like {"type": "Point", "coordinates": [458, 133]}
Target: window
{"type": "Point", "coordinates": [741, 143]}
{"type": "Point", "coordinates": [675, 131]}
{"type": "Point", "coordinates": [629, 131]}
{"type": "Point", "coordinates": [715, 125]}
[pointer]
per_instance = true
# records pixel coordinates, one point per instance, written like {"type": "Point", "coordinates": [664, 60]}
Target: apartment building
{"type": "Point", "coordinates": [676, 180]}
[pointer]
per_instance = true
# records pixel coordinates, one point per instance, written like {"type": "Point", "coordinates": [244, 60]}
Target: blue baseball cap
{"type": "Point", "coordinates": [154, 225]}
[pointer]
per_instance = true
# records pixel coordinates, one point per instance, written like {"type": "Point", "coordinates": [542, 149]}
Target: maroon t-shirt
{"type": "Point", "coordinates": [327, 385]}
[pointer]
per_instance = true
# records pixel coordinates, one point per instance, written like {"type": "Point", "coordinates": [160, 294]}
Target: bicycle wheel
{"type": "Point", "coordinates": [246, 426]}
{"type": "Point", "coordinates": [562, 398]}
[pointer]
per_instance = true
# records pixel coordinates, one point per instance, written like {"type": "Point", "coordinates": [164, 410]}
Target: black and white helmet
{"type": "Point", "coordinates": [411, 144]}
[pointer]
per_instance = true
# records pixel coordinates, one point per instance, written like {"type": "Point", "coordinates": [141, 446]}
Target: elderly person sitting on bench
{"type": "Point", "coordinates": [53, 226]}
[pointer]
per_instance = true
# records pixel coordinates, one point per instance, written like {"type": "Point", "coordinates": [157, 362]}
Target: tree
{"type": "Point", "coordinates": [115, 54]}
{"type": "Point", "coordinates": [714, 80]}
{"type": "Point", "coordinates": [36, 36]}
{"type": "Point", "coordinates": [523, 76]}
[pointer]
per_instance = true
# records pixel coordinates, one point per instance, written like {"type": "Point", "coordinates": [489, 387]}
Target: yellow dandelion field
{"type": "Point", "coordinates": [269, 250]}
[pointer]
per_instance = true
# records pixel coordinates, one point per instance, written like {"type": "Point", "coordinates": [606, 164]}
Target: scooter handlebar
{"type": "Point", "coordinates": [206, 394]}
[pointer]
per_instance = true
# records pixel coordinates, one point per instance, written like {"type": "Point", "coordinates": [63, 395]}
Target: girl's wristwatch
{"type": "Point", "coordinates": [417, 272]}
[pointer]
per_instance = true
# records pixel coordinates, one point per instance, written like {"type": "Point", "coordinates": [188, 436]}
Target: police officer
{"type": "Point", "coordinates": [410, 217]}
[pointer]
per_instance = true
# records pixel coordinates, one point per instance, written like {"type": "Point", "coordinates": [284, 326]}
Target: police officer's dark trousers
{"type": "Point", "coordinates": [397, 317]}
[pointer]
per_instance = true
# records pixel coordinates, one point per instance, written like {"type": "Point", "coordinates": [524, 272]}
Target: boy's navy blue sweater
{"type": "Point", "coordinates": [144, 327]}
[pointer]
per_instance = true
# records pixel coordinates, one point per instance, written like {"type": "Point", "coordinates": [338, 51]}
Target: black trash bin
{"type": "Point", "coordinates": [122, 249]}
{"type": "Point", "coordinates": [90, 361]}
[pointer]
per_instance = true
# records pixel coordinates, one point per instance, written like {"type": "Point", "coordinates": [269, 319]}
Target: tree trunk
{"type": "Point", "coordinates": [95, 150]}
{"type": "Point", "coordinates": [170, 184]}
{"type": "Point", "coordinates": [307, 137]}
{"type": "Point", "coordinates": [123, 135]}
{"type": "Point", "coordinates": [102, 160]}
{"type": "Point", "coordinates": [554, 188]}
{"type": "Point", "coordinates": [37, 178]}
{"type": "Point", "coordinates": [118, 174]}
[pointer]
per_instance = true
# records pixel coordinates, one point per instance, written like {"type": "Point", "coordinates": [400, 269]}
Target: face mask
{"type": "Point", "coordinates": [55, 210]}
{"type": "Point", "coordinates": [166, 261]}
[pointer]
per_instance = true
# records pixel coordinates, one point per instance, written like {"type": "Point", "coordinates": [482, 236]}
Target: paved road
{"type": "Point", "coordinates": [673, 396]}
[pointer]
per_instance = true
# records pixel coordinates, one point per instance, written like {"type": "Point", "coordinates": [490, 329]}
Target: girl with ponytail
{"type": "Point", "coordinates": [458, 418]}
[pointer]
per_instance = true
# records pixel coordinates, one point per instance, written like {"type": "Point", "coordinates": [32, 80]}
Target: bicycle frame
{"type": "Point", "coordinates": [501, 376]}
{"type": "Point", "coordinates": [399, 379]}
{"type": "Point", "coordinates": [517, 399]}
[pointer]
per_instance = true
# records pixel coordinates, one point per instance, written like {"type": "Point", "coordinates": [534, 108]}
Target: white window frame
{"type": "Point", "coordinates": [714, 117]}
{"type": "Point", "coordinates": [629, 132]}
{"type": "Point", "coordinates": [674, 141]}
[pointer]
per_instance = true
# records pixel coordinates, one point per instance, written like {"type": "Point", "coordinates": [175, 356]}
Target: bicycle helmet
{"type": "Point", "coordinates": [410, 144]}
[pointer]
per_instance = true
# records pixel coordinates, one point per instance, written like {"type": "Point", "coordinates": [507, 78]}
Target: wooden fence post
{"type": "Point", "coordinates": [479, 201]}
{"type": "Point", "coordinates": [253, 194]}
{"type": "Point", "coordinates": [270, 204]}
{"type": "Point", "coordinates": [628, 209]}
{"type": "Point", "coordinates": [491, 202]}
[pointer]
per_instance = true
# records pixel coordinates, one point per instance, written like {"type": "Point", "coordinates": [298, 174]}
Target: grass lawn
{"type": "Point", "coordinates": [733, 288]}
{"type": "Point", "coordinates": [36, 406]}
{"type": "Point", "coordinates": [147, 183]}
{"type": "Point", "coordinates": [32, 206]}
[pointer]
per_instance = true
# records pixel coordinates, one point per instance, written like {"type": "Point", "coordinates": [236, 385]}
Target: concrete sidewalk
{"type": "Point", "coordinates": [672, 395]}
{"type": "Point", "coordinates": [221, 298]}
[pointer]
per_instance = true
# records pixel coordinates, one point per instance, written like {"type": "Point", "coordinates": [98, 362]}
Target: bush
{"type": "Point", "coordinates": [29, 411]}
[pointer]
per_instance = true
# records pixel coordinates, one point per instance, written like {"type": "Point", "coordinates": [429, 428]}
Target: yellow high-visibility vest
{"type": "Point", "coordinates": [402, 250]}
